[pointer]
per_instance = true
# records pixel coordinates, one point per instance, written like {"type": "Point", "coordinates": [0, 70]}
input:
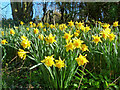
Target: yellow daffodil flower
{"type": "Point", "coordinates": [60, 63]}
{"type": "Point", "coordinates": [49, 61]}
{"type": "Point", "coordinates": [81, 60]}
{"type": "Point", "coordinates": [96, 39]}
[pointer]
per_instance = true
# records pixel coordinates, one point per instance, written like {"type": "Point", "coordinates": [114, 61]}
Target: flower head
{"type": "Point", "coordinates": [69, 46]}
{"type": "Point", "coordinates": [50, 39]}
{"type": "Point", "coordinates": [22, 54]}
{"type": "Point", "coordinates": [115, 24]}
{"type": "Point", "coordinates": [71, 23]}
{"type": "Point", "coordinates": [41, 36]}
{"type": "Point", "coordinates": [81, 60]}
{"type": "Point", "coordinates": [12, 32]}
{"type": "Point", "coordinates": [49, 61]}
{"type": "Point", "coordinates": [111, 36]}
{"type": "Point", "coordinates": [96, 39]}
{"type": "Point", "coordinates": [21, 22]}
{"type": "Point", "coordinates": [27, 29]}
{"type": "Point", "coordinates": [2, 32]}
{"type": "Point", "coordinates": [67, 36]}
{"type": "Point", "coordinates": [77, 43]}
{"type": "Point", "coordinates": [60, 63]}
{"type": "Point", "coordinates": [36, 31]}
{"type": "Point", "coordinates": [25, 43]}
{"type": "Point", "coordinates": [84, 48]}
{"type": "Point", "coordinates": [4, 41]}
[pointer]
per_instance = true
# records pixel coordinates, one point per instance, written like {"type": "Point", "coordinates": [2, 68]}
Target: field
{"type": "Point", "coordinates": [73, 55]}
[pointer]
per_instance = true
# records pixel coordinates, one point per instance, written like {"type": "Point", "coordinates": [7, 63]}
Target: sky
{"type": "Point", "coordinates": [7, 12]}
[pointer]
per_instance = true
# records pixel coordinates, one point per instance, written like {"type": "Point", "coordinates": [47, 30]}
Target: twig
{"type": "Point", "coordinates": [113, 81]}
{"type": "Point", "coordinates": [82, 76]}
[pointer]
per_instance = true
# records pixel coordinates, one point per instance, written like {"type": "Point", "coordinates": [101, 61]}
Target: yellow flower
{"type": "Point", "coordinates": [2, 32]}
{"type": "Point", "coordinates": [115, 24]}
{"type": "Point", "coordinates": [111, 36]}
{"type": "Point", "coordinates": [96, 39]}
{"type": "Point", "coordinates": [23, 37]}
{"type": "Point", "coordinates": [81, 60]}
{"type": "Point", "coordinates": [106, 25]}
{"type": "Point", "coordinates": [69, 46]}
{"type": "Point", "coordinates": [78, 31]}
{"type": "Point", "coordinates": [71, 23]}
{"type": "Point", "coordinates": [27, 29]}
{"type": "Point", "coordinates": [31, 22]}
{"type": "Point", "coordinates": [31, 26]}
{"type": "Point", "coordinates": [12, 32]}
{"type": "Point", "coordinates": [82, 28]}
{"type": "Point", "coordinates": [22, 54]}
{"type": "Point", "coordinates": [36, 31]}
{"type": "Point", "coordinates": [87, 28]}
{"type": "Point", "coordinates": [41, 25]}
{"type": "Point", "coordinates": [50, 39]}
{"type": "Point", "coordinates": [34, 25]}
{"type": "Point", "coordinates": [84, 48]}
{"type": "Point", "coordinates": [67, 36]}
{"type": "Point", "coordinates": [52, 26]}
{"type": "Point", "coordinates": [21, 23]}
{"type": "Point", "coordinates": [62, 27]}
{"type": "Point", "coordinates": [41, 37]}
{"type": "Point", "coordinates": [104, 34]}
{"type": "Point", "coordinates": [79, 25]}
{"type": "Point", "coordinates": [44, 29]}
{"type": "Point", "coordinates": [4, 41]}
{"type": "Point", "coordinates": [60, 63]}
{"type": "Point", "coordinates": [76, 34]}
{"type": "Point", "coordinates": [49, 61]}
{"type": "Point", "coordinates": [77, 43]}
{"type": "Point", "coordinates": [25, 44]}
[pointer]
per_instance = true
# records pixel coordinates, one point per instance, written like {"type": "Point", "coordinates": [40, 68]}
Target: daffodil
{"type": "Point", "coordinates": [4, 41]}
{"type": "Point", "coordinates": [52, 26]}
{"type": "Point", "coordinates": [84, 48]}
{"type": "Point", "coordinates": [115, 24]}
{"type": "Point", "coordinates": [12, 32]}
{"type": "Point", "coordinates": [77, 43]}
{"type": "Point", "coordinates": [69, 46]}
{"type": "Point", "coordinates": [79, 25]}
{"type": "Point", "coordinates": [36, 31]}
{"type": "Point", "coordinates": [76, 34]}
{"type": "Point", "coordinates": [96, 39]}
{"type": "Point", "coordinates": [21, 22]}
{"type": "Point", "coordinates": [71, 23]}
{"type": "Point", "coordinates": [67, 36]}
{"type": "Point", "coordinates": [24, 37]}
{"type": "Point", "coordinates": [60, 63]}
{"type": "Point", "coordinates": [49, 61]}
{"type": "Point", "coordinates": [81, 60]}
{"type": "Point", "coordinates": [41, 36]}
{"type": "Point", "coordinates": [106, 25]}
{"type": "Point", "coordinates": [25, 44]}
{"type": "Point", "coordinates": [34, 25]}
{"type": "Point", "coordinates": [22, 54]}
{"type": "Point", "coordinates": [111, 36]}
{"type": "Point", "coordinates": [27, 29]}
{"type": "Point", "coordinates": [31, 22]}
{"type": "Point", "coordinates": [87, 28]}
{"type": "Point", "coordinates": [2, 32]}
{"type": "Point", "coordinates": [50, 39]}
